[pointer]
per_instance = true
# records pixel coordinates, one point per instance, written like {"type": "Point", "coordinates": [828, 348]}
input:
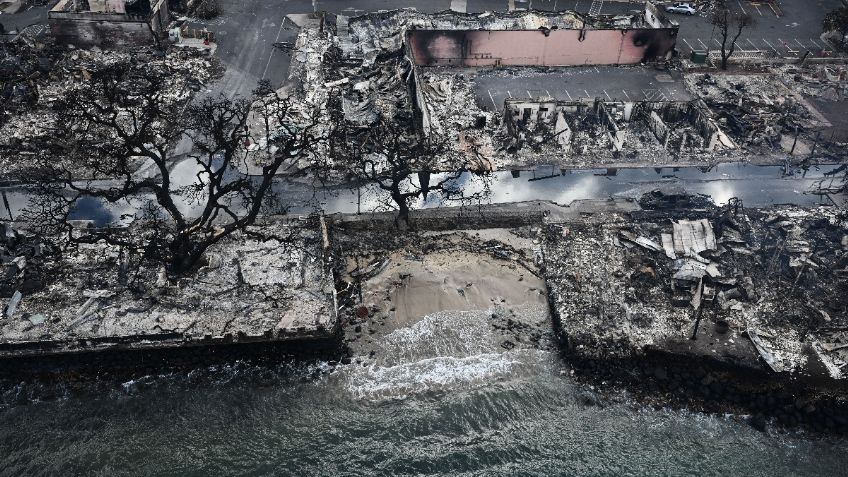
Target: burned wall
{"type": "Point", "coordinates": [678, 125]}
{"type": "Point", "coordinates": [540, 47]}
{"type": "Point", "coordinates": [160, 17]}
{"type": "Point", "coordinates": [101, 33]}
{"type": "Point", "coordinates": [109, 29]}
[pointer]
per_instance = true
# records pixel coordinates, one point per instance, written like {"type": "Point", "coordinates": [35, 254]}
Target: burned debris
{"type": "Point", "coordinates": [625, 284]}
{"type": "Point", "coordinates": [411, 68]}
{"type": "Point", "coordinates": [109, 23]}
{"type": "Point", "coordinates": [828, 82]}
{"type": "Point", "coordinates": [762, 115]}
{"type": "Point", "coordinates": [22, 64]}
{"type": "Point", "coordinates": [269, 282]}
{"type": "Point", "coordinates": [53, 74]}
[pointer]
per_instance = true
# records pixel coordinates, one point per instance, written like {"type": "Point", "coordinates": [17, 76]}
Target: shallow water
{"type": "Point", "coordinates": [756, 186]}
{"type": "Point", "coordinates": [441, 397]}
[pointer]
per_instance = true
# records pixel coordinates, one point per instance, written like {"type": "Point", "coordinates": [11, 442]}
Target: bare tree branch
{"type": "Point", "coordinates": [114, 143]}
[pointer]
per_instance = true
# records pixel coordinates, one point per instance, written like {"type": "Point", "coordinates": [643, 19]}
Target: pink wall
{"type": "Point", "coordinates": [533, 47]}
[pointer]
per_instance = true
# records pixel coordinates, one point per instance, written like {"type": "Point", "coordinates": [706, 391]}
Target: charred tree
{"type": "Point", "coordinates": [113, 144]}
{"type": "Point", "coordinates": [403, 165]}
{"type": "Point", "coordinates": [730, 26]}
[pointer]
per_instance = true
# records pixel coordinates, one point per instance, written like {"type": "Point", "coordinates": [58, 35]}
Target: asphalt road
{"type": "Point", "coordinates": [29, 16]}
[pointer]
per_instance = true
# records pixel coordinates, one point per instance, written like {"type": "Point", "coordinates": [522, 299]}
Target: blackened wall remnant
{"type": "Point", "coordinates": [657, 44]}
{"type": "Point", "coordinates": [544, 39]}
{"type": "Point", "coordinates": [469, 48]}
{"type": "Point", "coordinates": [108, 29]}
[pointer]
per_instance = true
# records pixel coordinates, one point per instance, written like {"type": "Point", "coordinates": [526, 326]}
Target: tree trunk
{"type": "Point", "coordinates": [402, 219]}
{"type": "Point", "coordinates": [185, 254]}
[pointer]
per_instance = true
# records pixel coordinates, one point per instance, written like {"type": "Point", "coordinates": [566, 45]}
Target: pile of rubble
{"type": "Point", "coordinates": [25, 266]}
{"type": "Point", "coordinates": [363, 68]}
{"type": "Point", "coordinates": [275, 284]}
{"type": "Point", "coordinates": [186, 70]}
{"type": "Point", "coordinates": [828, 82]}
{"type": "Point", "coordinates": [725, 283]}
{"type": "Point", "coordinates": [758, 113]}
{"type": "Point", "coordinates": [22, 66]}
{"type": "Point", "coordinates": [448, 110]}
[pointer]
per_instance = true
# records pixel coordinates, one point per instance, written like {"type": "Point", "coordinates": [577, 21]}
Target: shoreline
{"type": "Point", "coordinates": [660, 374]}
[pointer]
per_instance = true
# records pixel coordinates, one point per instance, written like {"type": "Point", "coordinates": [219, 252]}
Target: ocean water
{"type": "Point", "coordinates": [439, 397]}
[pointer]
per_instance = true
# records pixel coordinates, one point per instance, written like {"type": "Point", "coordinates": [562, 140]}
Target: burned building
{"type": "Point", "coordinates": [95, 297]}
{"type": "Point", "coordinates": [109, 23]}
{"type": "Point", "coordinates": [538, 39]}
{"type": "Point", "coordinates": [514, 90]}
{"type": "Point", "coordinates": [574, 126]}
{"type": "Point", "coordinates": [759, 288]}
{"type": "Point", "coordinates": [766, 116]}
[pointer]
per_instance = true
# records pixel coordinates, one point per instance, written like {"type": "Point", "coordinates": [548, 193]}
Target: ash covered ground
{"type": "Point", "coordinates": [270, 282]}
{"type": "Point", "coordinates": [756, 283]}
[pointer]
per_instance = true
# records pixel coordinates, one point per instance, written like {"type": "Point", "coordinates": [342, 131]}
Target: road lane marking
{"type": "Point", "coordinates": [770, 45]}
{"type": "Point", "coordinates": [276, 40]}
{"type": "Point", "coordinates": [741, 7]}
{"type": "Point", "coordinates": [814, 42]}
{"type": "Point", "coordinates": [625, 93]}
{"type": "Point", "coordinates": [493, 99]}
{"type": "Point", "coordinates": [510, 94]}
{"type": "Point", "coordinates": [587, 93]}
{"type": "Point", "coordinates": [786, 45]}
{"type": "Point", "coordinates": [687, 44]}
{"type": "Point", "coordinates": [608, 96]}
{"type": "Point", "coordinates": [702, 44]}
{"type": "Point", "coordinates": [569, 95]}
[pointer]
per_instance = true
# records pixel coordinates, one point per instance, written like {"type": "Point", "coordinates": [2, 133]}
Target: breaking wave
{"type": "Point", "coordinates": [453, 334]}
{"type": "Point", "coordinates": [439, 374]}
{"type": "Point", "coordinates": [443, 351]}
